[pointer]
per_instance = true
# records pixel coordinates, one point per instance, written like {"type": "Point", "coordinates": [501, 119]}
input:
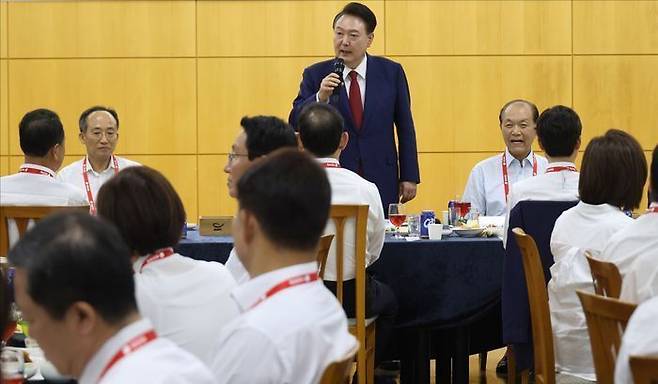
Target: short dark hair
{"type": "Point", "coordinates": [145, 207]}
{"type": "Point", "coordinates": [558, 131]}
{"type": "Point", "coordinates": [613, 171]}
{"type": "Point", "coordinates": [265, 134]}
{"type": "Point", "coordinates": [39, 131]}
{"type": "Point", "coordinates": [362, 12]}
{"type": "Point", "coordinates": [320, 128]}
{"type": "Point", "coordinates": [289, 194]}
{"type": "Point", "coordinates": [82, 122]}
{"type": "Point", "coordinates": [70, 257]}
{"type": "Point", "coordinates": [532, 106]}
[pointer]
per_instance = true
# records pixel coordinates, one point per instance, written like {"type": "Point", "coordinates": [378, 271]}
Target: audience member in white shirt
{"type": "Point", "coordinates": [488, 185]}
{"type": "Point", "coordinates": [640, 339]}
{"type": "Point", "coordinates": [188, 301]}
{"type": "Point", "coordinates": [291, 327]}
{"type": "Point", "coordinates": [612, 178]}
{"type": "Point", "coordinates": [558, 134]}
{"type": "Point", "coordinates": [635, 249]}
{"type": "Point", "coordinates": [322, 134]}
{"type": "Point", "coordinates": [41, 136]}
{"type": "Point", "coordinates": [260, 135]}
{"type": "Point", "coordinates": [74, 285]}
{"type": "Point", "coordinates": [99, 133]}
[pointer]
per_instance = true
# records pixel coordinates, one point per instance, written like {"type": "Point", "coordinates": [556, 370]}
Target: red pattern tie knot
{"type": "Point", "coordinates": [356, 106]}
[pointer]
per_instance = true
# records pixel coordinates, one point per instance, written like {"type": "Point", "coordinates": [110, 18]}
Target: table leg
{"type": "Point", "coordinates": [460, 359]}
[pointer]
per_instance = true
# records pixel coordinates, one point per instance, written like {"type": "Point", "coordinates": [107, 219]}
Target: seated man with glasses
{"type": "Point", "coordinates": [260, 135]}
{"type": "Point", "coordinates": [99, 132]}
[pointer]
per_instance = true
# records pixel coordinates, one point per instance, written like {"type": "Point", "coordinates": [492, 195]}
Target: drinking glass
{"type": "Point", "coordinates": [397, 217]}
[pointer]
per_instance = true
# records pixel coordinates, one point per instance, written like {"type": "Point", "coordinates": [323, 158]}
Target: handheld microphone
{"type": "Point", "coordinates": [339, 67]}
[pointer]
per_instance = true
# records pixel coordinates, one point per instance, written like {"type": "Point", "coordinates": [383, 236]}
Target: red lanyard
{"type": "Point", "coordinates": [35, 171]}
{"type": "Point", "coordinates": [330, 165]}
{"type": "Point", "coordinates": [85, 177]}
{"type": "Point", "coordinates": [292, 282]}
{"type": "Point", "coordinates": [131, 346]}
{"type": "Point", "coordinates": [155, 256]}
{"type": "Point", "coordinates": [506, 179]}
{"type": "Point", "coordinates": [561, 168]}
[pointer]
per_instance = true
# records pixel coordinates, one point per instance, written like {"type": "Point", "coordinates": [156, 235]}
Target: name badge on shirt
{"type": "Point", "coordinates": [215, 225]}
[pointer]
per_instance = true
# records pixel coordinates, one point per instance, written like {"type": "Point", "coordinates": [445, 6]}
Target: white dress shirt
{"type": "Point", "coordinates": [188, 301]}
{"type": "Point", "coordinates": [21, 189]}
{"type": "Point", "coordinates": [159, 361]}
{"type": "Point", "coordinates": [640, 338]}
{"type": "Point", "coordinates": [583, 227]}
{"type": "Point", "coordinates": [348, 187]}
{"type": "Point", "coordinates": [485, 188]}
{"type": "Point", "coordinates": [72, 174]}
{"type": "Point", "coordinates": [361, 70]}
{"type": "Point", "coordinates": [237, 269]}
{"type": "Point", "coordinates": [550, 186]}
{"type": "Point", "coordinates": [634, 250]}
{"type": "Point", "coordinates": [289, 337]}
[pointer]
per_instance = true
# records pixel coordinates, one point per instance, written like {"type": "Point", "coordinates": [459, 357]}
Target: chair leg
{"type": "Point", "coordinates": [525, 377]}
{"type": "Point", "coordinates": [361, 364]}
{"type": "Point", "coordinates": [511, 366]}
{"type": "Point", "coordinates": [483, 361]}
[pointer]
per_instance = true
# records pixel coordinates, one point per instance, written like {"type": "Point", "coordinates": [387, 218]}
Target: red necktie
{"type": "Point", "coordinates": [355, 100]}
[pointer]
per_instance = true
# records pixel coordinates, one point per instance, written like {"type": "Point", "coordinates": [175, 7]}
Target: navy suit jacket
{"type": "Point", "coordinates": [371, 150]}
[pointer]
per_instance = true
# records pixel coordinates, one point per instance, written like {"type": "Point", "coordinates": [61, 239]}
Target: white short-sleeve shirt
{"type": "Point", "coordinates": [159, 361]}
{"type": "Point", "coordinates": [581, 228]}
{"type": "Point", "coordinates": [72, 174]}
{"type": "Point", "coordinates": [485, 189]}
{"type": "Point", "coordinates": [288, 337]}
{"type": "Point", "coordinates": [634, 250]}
{"type": "Point", "coordinates": [188, 301]}
{"type": "Point", "coordinates": [640, 339]}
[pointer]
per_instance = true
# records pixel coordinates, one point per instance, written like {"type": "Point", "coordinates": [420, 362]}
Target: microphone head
{"type": "Point", "coordinates": [339, 67]}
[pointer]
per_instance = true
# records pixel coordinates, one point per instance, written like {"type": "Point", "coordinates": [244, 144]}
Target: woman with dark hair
{"type": "Point", "coordinates": [612, 178]}
{"type": "Point", "coordinates": [186, 300]}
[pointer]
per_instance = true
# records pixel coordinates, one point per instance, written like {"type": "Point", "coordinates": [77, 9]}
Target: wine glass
{"type": "Point", "coordinates": [396, 216]}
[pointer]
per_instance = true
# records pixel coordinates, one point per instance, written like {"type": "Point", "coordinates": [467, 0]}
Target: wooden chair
{"type": "Point", "coordinates": [606, 321]}
{"type": "Point", "coordinates": [540, 318]}
{"type": "Point", "coordinates": [360, 326]}
{"type": "Point", "coordinates": [644, 369]}
{"type": "Point", "coordinates": [22, 216]}
{"type": "Point", "coordinates": [339, 371]}
{"type": "Point", "coordinates": [605, 276]}
{"type": "Point", "coordinates": [323, 252]}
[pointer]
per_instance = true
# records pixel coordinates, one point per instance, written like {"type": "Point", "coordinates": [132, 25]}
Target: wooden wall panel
{"type": "Point", "coordinates": [255, 86]}
{"type": "Point", "coordinates": [617, 92]}
{"type": "Point", "coordinates": [456, 100]}
{"type": "Point", "coordinates": [3, 29]}
{"type": "Point", "coordinates": [4, 166]}
{"type": "Point", "coordinates": [615, 27]}
{"type": "Point", "coordinates": [273, 28]}
{"type": "Point", "coordinates": [478, 27]}
{"type": "Point", "coordinates": [181, 171]}
{"type": "Point", "coordinates": [155, 99]}
{"type": "Point", "coordinates": [102, 29]}
{"type": "Point", "coordinates": [4, 118]}
{"type": "Point", "coordinates": [213, 192]}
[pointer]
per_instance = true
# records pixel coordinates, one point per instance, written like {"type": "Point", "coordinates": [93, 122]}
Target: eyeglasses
{"type": "Point", "coordinates": [232, 156]}
{"type": "Point", "coordinates": [98, 135]}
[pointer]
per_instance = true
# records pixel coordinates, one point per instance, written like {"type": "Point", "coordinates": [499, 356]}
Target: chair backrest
{"type": "Point", "coordinates": [537, 219]}
{"type": "Point", "coordinates": [340, 214]}
{"type": "Point", "coordinates": [323, 251]}
{"type": "Point", "coordinates": [22, 216]}
{"type": "Point", "coordinates": [606, 321]}
{"type": "Point", "coordinates": [644, 369]}
{"type": "Point", "coordinates": [338, 372]}
{"type": "Point", "coordinates": [540, 319]}
{"type": "Point", "coordinates": [605, 276]}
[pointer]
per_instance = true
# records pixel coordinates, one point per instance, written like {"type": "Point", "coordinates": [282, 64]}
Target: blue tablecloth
{"type": "Point", "coordinates": [435, 281]}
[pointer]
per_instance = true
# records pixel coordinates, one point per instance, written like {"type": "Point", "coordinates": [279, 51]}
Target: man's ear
{"type": "Point", "coordinates": [81, 137]}
{"type": "Point", "coordinates": [344, 139]}
{"type": "Point", "coordinates": [300, 145]}
{"type": "Point", "coordinates": [82, 318]}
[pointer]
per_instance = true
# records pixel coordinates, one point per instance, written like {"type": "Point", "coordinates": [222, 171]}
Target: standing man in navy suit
{"type": "Point", "coordinates": [372, 96]}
